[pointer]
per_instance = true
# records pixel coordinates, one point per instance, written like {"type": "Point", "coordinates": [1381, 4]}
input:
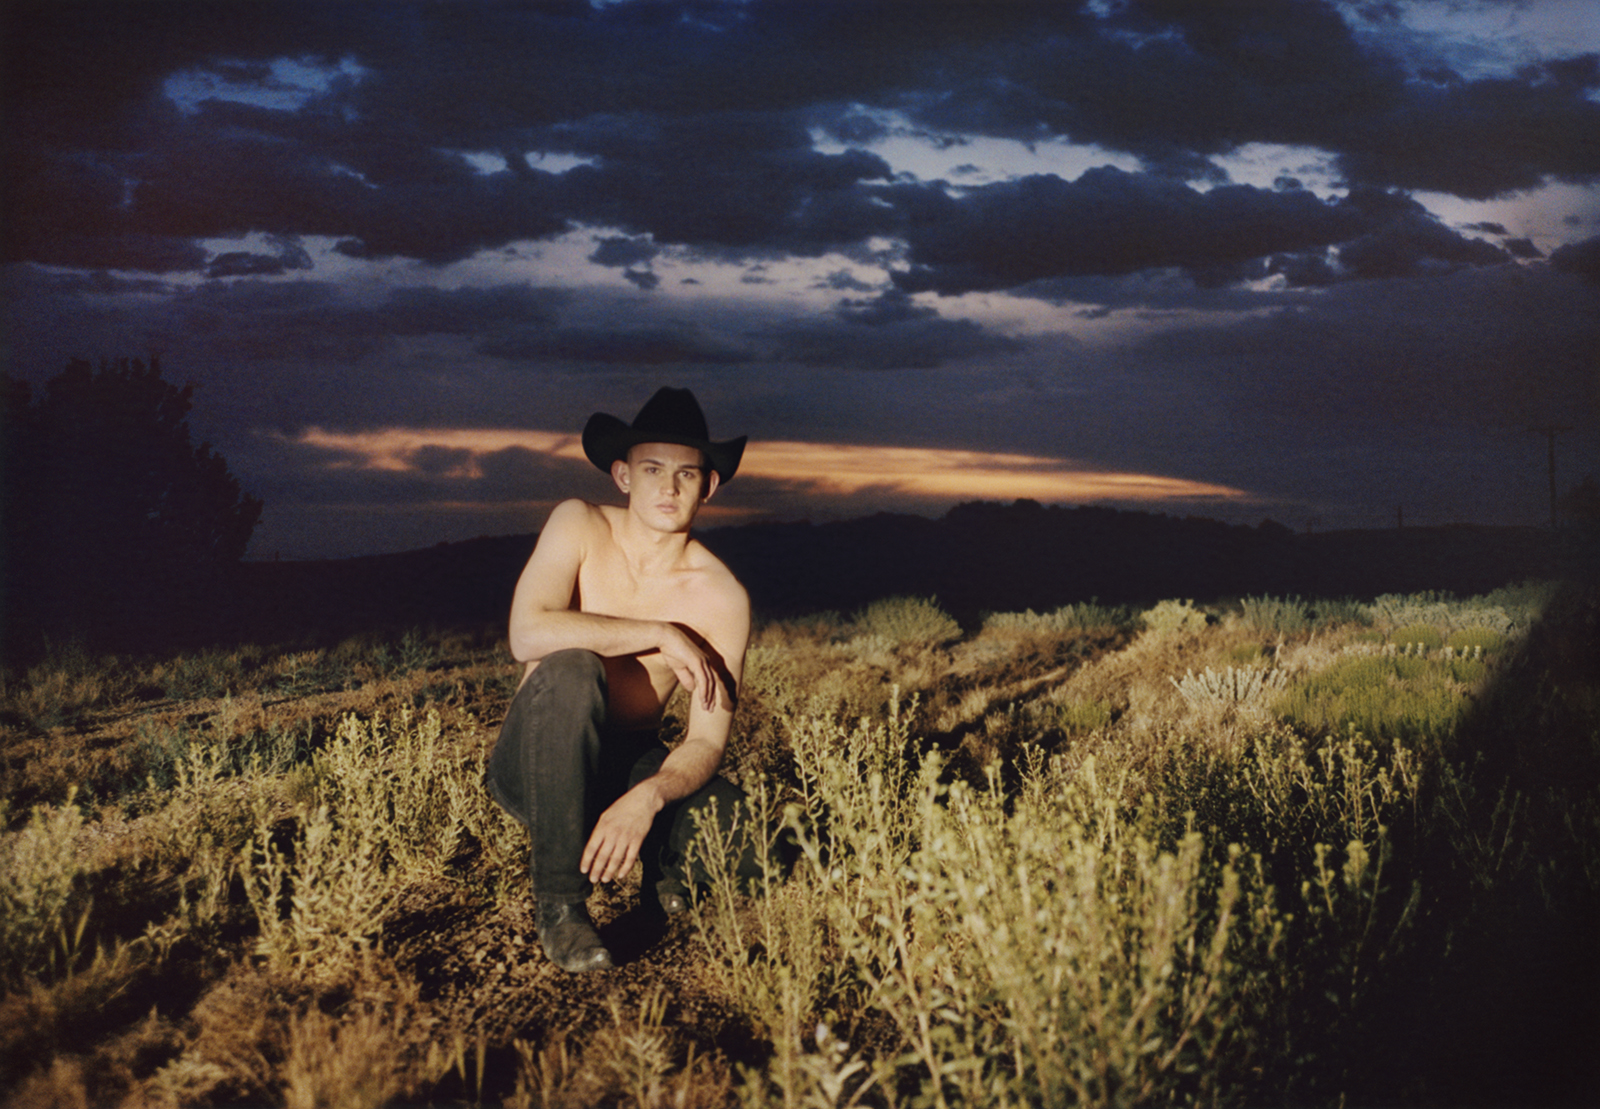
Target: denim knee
{"type": "Point", "coordinates": [574, 665]}
{"type": "Point", "coordinates": [551, 728]}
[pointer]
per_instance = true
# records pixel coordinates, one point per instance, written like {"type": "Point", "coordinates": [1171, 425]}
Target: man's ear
{"type": "Point", "coordinates": [713, 479]}
{"type": "Point", "coordinates": [619, 474]}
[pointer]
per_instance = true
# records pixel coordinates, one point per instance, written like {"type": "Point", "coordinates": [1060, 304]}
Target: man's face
{"type": "Point", "coordinates": [665, 484]}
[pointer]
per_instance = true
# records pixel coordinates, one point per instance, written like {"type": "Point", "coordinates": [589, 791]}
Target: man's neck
{"type": "Point", "coordinates": [648, 551]}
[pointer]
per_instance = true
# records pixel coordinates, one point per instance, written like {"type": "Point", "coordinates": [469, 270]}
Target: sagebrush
{"type": "Point", "coordinates": [1202, 854]}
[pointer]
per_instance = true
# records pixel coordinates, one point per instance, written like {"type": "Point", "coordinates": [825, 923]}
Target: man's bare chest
{"type": "Point", "coordinates": [608, 587]}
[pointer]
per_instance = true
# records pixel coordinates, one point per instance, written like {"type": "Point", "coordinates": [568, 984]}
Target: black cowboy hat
{"type": "Point", "coordinates": [671, 416]}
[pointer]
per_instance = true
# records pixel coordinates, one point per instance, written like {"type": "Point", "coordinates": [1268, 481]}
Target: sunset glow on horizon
{"type": "Point", "coordinates": [919, 473]}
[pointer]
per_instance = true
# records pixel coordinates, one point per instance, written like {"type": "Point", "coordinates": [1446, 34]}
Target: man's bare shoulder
{"type": "Point", "coordinates": [575, 511]}
{"type": "Point", "coordinates": [715, 579]}
{"type": "Point", "coordinates": [575, 520]}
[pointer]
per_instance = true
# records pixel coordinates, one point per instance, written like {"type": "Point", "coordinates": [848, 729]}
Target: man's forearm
{"type": "Point", "coordinates": [536, 636]}
{"type": "Point", "coordinates": [686, 768]}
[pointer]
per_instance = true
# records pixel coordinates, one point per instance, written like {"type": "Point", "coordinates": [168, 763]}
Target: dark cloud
{"type": "Point", "coordinates": [618, 250]}
{"type": "Point", "coordinates": [617, 346]}
{"type": "Point", "coordinates": [1582, 259]}
{"type": "Point", "coordinates": [696, 123]}
{"type": "Point", "coordinates": [135, 251]}
{"type": "Point", "coordinates": [1485, 138]}
{"type": "Point", "coordinates": [1475, 348]}
{"type": "Point", "coordinates": [888, 333]}
{"type": "Point", "coordinates": [892, 307]}
{"type": "Point", "coordinates": [423, 309]}
{"type": "Point", "coordinates": [845, 281]}
{"type": "Point", "coordinates": [289, 255]}
{"type": "Point", "coordinates": [1412, 245]}
{"type": "Point", "coordinates": [437, 460]}
{"type": "Point", "coordinates": [1110, 222]}
{"type": "Point", "coordinates": [727, 180]}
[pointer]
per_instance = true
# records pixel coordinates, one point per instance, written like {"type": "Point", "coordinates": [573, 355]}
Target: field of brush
{"type": "Point", "coordinates": [1265, 851]}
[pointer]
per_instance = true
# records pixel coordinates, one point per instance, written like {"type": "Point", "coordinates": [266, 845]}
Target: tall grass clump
{"type": "Point", "coordinates": [1276, 616]}
{"type": "Point", "coordinates": [1476, 641]}
{"type": "Point", "coordinates": [390, 804]}
{"type": "Point", "coordinates": [61, 687]}
{"type": "Point", "coordinates": [210, 673]}
{"type": "Point", "coordinates": [1172, 618]}
{"type": "Point", "coordinates": [1508, 611]}
{"type": "Point", "coordinates": [1086, 616]}
{"type": "Point", "coordinates": [1236, 685]}
{"type": "Point", "coordinates": [908, 621]}
{"type": "Point", "coordinates": [1397, 696]}
{"type": "Point", "coordinates": [42, 906]}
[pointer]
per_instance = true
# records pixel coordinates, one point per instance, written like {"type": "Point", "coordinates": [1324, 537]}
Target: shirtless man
{"type": "Point", "coordinates": [615, 609]}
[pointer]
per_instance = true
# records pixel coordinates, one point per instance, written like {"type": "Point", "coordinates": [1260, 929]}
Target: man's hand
{"type": "Point", "coordinates": [693, 667]}
{"type": "Point", "coordinates": [619, 833]}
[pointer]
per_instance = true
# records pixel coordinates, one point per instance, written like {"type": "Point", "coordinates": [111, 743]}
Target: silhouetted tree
{"type": "Point", "coordinates": [1581, 504]}
{"type": "Point", "coordinates": [117, 528]}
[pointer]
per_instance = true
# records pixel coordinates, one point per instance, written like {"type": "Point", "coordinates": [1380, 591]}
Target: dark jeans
{"type": "Point", "coordinates": [557, 766]}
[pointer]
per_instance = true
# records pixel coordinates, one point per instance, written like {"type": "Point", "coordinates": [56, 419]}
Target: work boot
{"type": "Point", "coordinates": [568, 937]}
{"type": "Point", "coordinates": [669, 895]}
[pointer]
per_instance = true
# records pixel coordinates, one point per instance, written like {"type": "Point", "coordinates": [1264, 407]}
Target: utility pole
{"type": "Point", "coordinates": [1550, 431]}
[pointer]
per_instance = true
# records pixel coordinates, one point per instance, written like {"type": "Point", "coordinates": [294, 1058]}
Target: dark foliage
{"type": "Point", "coordinates": [118, 530]}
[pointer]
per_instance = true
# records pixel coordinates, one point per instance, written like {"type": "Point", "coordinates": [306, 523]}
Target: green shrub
{"type": "Point", "coordinates": [204, 674]}
{"type": "Point", "coordinates": [1246, 653]}
{"type": "Point", "coordinates": [907, 621]}
{"type": "Point", "coordinates": [1342, 611]}
{"type": "Point", "coordinates": [1067, 618]}
{"type": "Point", "coordinates": [1399, 610]}
{"type": "Point", "coordinates": [1172, 617]}
{"type": "Point", "coordinates": [1418, 637]}
{"type": "Point", "coordinates": [306, 672]}
{"type": "Point", "coordinates": [1523, 602]}
{"type": "Point", "coordinates": [62, 688]}
{"type": "Point", "coordinates": [392, 804]}
{"type": "Point", "coordinates": [1272, 616]}
{"type": "Point", "coordinates": [40, 868]}
{"type": "Point", "coordinates": [1059, 940]}
{"type": "Point", "coordinates": [415, 651]}
{"type": "Point", "coordinates": [1504, 611]}
{"type": "Point", "coordinates": [1394, 696]}
{"type": "Point", "coordinates": [1242, 685]}
{"type": "Point", "coordinates": [1078, 717]}
{"type": "Point", "coordinates": [1479, 641]}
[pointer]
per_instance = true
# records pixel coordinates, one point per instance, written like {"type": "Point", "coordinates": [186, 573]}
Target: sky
{"type": "Point", "coordinates": [1334, 263]}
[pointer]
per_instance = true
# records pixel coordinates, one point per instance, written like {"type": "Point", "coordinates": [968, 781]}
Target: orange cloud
{"type": "Point", "coordinates": [396, 448]}
{"type": "Point", "coordinates": [933, 472]}
{"type": "Point", "coordinates": [840, 469]}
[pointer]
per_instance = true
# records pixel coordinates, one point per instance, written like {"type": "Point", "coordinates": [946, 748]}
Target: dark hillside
{"type": "Point", "coordinates": [447, 584]}
{"type": "Point", "coordinates": [978, 557]}
{"type": "Point", "coordinates": [992, 557]}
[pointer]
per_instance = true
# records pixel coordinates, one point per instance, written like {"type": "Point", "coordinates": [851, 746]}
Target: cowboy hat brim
{"type": "Point", "coordinates": [607, 439]}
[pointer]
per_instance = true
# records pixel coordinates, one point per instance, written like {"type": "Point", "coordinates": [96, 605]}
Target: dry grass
{"type": "Point", "coordinates": [1074, 857]}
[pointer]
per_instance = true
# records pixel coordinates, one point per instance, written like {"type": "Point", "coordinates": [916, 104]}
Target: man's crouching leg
{"type": "Point", "coordinates": [718, 808]}
{"type": "Point", "coordinates": [543, 771]}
